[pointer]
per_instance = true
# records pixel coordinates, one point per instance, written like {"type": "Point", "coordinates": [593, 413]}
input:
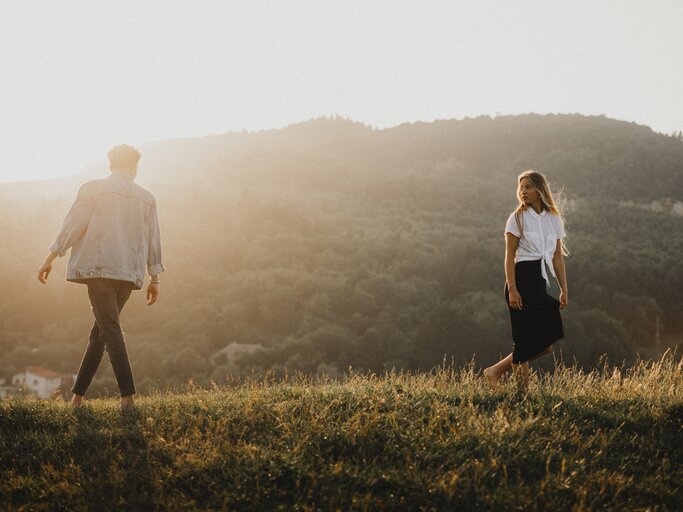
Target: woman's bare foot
{"type": "Point", "coordinates": [491, 378]}
{"type": "Point", "coordinates": [76, 400]}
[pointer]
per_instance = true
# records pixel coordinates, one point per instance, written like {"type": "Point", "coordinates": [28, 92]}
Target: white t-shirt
{"type": "Point", "coordinates": [541, 232]}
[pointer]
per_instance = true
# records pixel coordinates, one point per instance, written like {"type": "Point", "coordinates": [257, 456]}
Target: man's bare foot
{"type": "Point", "coordinates": [127, 402]}
{"type": "Point", "coordinates": [491, 378]}
{"type": "Point", "coordinates": [76, 400]}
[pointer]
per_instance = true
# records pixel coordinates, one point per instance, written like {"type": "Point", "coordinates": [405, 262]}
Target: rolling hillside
{"type": "Point", "coordinates": [605, 440]}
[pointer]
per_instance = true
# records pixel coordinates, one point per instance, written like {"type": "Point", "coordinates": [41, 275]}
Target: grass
{"type": "Point", "coordinates": [610, 439]}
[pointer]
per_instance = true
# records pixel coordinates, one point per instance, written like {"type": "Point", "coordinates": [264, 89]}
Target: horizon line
{"type": "Point", "coordinates": [332, 117]}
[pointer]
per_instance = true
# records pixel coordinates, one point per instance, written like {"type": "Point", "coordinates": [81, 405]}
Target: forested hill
{"type": "Point", "coordinates": [333, 244]}
{"type": "Point", "coordinates": [592, 156]}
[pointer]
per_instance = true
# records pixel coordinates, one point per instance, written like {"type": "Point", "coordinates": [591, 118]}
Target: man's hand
{"type": "Point", "coordinates": [44, 271]}
{"type": "Point", "coordinates": [46, 267]}
{"type": "Point", "coordinates": [152, 293]}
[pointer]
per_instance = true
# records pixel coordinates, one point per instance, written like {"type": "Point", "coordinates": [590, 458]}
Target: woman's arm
{"type": "Point", "coordinates": [558, 264]}
{"type": "Point", "coordinates": [511, 244]}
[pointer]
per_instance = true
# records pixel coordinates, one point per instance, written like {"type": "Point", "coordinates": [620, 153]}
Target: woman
{"type": "Point", "coordinates": [533, 239]}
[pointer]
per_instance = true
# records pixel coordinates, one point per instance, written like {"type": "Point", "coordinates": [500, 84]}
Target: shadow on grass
{"type": "Point", "coordinates": [111, 450]}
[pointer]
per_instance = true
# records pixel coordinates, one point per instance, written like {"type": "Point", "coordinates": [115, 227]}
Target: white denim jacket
{"type": "Point", "coordinates": [112, 230]}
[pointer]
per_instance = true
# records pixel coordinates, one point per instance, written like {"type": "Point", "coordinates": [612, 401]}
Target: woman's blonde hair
{"type": "Point", "coordinates": [540, 183]}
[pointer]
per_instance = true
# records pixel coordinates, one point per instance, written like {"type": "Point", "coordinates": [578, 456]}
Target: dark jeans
{"type": "Point", "coordinates": [107, 298]}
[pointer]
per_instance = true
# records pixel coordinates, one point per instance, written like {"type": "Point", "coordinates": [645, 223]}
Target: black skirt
{"type": "Point", "coordinates": [538, 325]}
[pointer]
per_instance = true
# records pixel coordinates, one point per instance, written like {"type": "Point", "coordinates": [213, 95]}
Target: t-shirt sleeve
{"type": "Point", "coordinates": [511, 226]}
{"type": "Point", "coordinates": [560, 228]}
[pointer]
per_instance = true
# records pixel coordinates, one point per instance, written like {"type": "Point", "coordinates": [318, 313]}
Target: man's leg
{"type": "Point", "coordinates": [107, 301]}
{"type": "Point", "coordinates": [124, 290]}
{"type": "Point", "coordinates": [89, 364]}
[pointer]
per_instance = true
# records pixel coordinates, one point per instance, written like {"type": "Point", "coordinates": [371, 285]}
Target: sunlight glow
{"type": "Point", "coordinates": [80, 77]}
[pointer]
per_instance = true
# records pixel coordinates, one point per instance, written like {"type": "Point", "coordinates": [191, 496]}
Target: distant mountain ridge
{"type": "Point", "coordinates": [590, 155]}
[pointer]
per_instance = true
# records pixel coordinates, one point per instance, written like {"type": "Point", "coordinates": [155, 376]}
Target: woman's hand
{"type": "Point", "coordinates": [515, 299]}
{"type": "Point", "coordinates": [564, 299]}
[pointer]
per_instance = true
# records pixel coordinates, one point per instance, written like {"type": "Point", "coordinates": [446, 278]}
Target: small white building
{"type": "Point", "coordinates": [41, 381]}
{"type": "Point", "coordinates": [232, 350]}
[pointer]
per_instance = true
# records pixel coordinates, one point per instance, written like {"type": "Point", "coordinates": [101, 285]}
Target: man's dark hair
{"type": "Point", "coordinates": [123, 156]}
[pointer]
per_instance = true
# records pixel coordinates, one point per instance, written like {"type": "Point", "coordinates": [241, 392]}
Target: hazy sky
{"type": "Point", "coordinates": [80, 77]}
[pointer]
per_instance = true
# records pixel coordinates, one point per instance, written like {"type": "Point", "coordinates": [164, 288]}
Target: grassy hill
{"type": "Point", "coordinates": [610, 439]}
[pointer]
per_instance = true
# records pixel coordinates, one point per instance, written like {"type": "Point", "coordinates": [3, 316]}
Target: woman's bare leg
{"type": "Point", "coordinates": [547, 350]}
{"type": "Point", "coordinates": [521, 372]}
{"type": "Point", "coordinates": [495, 372]}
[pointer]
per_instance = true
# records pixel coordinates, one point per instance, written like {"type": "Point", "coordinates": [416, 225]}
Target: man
{"type": "Point", "coordinates": [112, 230]}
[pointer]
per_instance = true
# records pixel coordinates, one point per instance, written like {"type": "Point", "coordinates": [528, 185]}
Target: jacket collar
{"type": "Point", "coordinates": [121, 174]}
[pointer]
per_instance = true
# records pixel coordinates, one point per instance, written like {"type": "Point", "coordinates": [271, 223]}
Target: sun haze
{"type": "Point", "coordinates": [80, 77]}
